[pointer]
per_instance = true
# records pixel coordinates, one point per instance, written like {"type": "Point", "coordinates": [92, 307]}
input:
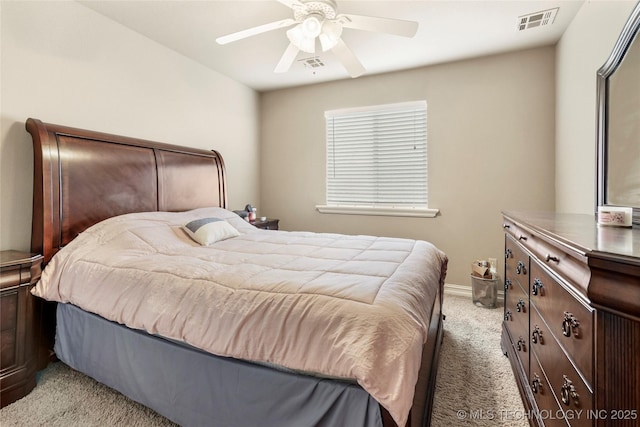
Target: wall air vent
{"type": "Point", "coordinates": [538, 19]}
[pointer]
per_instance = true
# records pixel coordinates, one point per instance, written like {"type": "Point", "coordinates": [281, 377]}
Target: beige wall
{"type": "Point", "coordinates": [64, 63]}
{"type": "Point", "coordinates": [583, 49]}
{"type": "Point", "coordinates": [491, 147]}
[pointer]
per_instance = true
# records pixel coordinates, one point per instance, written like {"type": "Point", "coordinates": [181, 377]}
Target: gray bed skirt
{"type": "Point", "coordinates": [195, 388]}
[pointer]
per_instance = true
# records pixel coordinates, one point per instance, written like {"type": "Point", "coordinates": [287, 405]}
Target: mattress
{"type": "Point", "coordinates": [353, 307]}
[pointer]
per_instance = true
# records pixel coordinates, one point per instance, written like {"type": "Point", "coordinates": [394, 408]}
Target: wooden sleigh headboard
{"type": "Point", "coordinates": [82, 177]}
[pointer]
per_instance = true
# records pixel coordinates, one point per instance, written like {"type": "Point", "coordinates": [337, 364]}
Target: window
{"type": "Point", "coordinates": [377, 160]}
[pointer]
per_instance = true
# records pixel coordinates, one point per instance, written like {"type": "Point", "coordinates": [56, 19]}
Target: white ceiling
{"type": "Point", "coordinates": [448, 30]}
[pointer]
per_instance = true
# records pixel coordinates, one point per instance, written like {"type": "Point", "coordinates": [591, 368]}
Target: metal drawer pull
{"type": "Point", "coordinates": [568, 391]}
{"type": "Point", "coordinates": [508, 254]}
{"type": "Point", "coordinates": [521, 344]}
{"type": "Point", "coordinates": [552, 258]}
{"type": "Point", "coordinates": [520, 306]}
{"type": "Point", "coordinates": [570, 323]}
{"type": "Point", "coordinates": [536, 336]}
{"type": "Point", "coordinates": [507, 284]}
{"type": "Point", "coordinates": [506, 226]}
{"type": "Point", "coordinates": [522, 237]}
{"type": "Point", "coordinates": [520, 268]}
{"type": "Point", "coordinates": [507, 315]}
{"type": "Point", "coordinates": [536, 385]}
{"type": "Point", "coordinates": [537, 287]}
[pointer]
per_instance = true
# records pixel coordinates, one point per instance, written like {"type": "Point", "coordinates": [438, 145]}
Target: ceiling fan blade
{"type": "Point", "coordinates": [348, 59]}
{"type": "Point", "coordinates": [255, 30]}
{"type": "Point", "coordinates": [399, 27]}
{"type": "Point", "coordinates": [287, 59]}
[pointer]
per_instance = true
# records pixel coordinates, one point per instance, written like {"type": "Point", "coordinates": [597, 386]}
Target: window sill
{"type": "Point", "coordinates": [378, 211]}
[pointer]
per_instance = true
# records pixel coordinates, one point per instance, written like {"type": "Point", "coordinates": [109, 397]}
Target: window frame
{"type": "Point", "coordinates": [422, 211]}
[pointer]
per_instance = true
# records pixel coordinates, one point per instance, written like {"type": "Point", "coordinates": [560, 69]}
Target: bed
{"type": "Point", "coordinates": [274, 327]}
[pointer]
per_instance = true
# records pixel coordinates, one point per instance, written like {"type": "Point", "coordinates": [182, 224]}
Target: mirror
{"type": "Point", "coordinates": [618, 122]}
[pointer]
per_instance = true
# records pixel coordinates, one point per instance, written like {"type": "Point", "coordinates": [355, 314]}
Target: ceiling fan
{"type": "Point", "coordinates": [318, 20]}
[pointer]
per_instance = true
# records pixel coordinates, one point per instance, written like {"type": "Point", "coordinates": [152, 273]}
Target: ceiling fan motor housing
{"type": "Point", "coordinates": [325, 8]}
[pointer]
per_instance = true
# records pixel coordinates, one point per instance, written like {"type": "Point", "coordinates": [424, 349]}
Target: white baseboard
{"type": "Point", "coordinates": [457, 290]}
{"type": "Point", "coordinates": [465, 291]}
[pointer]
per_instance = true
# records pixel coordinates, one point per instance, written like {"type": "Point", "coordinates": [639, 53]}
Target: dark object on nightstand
{"type": "Point", "coordinates": [18, 324]}
{"type": "Point", "coordinates": [242, 214]}
{"type": "Point", "coordinates": [248, 209]}
{"type": "Point", "coordinates": [266, 224]}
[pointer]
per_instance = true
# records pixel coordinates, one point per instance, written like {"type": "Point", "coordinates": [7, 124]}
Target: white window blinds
{"type": "Point", "coordinates": [377, 156]}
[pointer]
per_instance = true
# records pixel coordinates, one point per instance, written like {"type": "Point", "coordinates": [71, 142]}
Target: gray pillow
{"type": "Point", "coordinates": [207, 231]}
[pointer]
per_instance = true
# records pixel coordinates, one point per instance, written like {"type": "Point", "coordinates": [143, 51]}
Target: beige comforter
{"type": "Point", "coordinates": [343, 306]}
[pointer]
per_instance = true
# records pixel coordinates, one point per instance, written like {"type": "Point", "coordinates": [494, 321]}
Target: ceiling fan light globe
{"type": "Point", "coordinates": [328, 42]}
{"type": "Point", "coordinates": [331, 32]}
{"type": "Point", "coordinates": [311, 26]}
{"type": "Point", "coordinates": [297, 36]}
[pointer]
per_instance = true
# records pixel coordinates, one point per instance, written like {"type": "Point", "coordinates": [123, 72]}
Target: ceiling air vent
{"type": "Point", "coordinates": [537, 19]}
{"type": "Point", "coordinates": [314, 62]}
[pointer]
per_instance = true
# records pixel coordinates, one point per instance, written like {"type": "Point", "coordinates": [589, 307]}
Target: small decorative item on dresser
{"type": "Point", "coordinates": [18, 324]}
{"type": "Point", "coordinates": [265, 223]}
{"type": "Point", "coordinates": [615, 216]}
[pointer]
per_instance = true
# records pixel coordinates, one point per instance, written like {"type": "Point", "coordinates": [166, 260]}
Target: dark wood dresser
{"type": "Point", "coordinates": [571, 325]}
{"type": "Point", "coordinates": [18, 324]}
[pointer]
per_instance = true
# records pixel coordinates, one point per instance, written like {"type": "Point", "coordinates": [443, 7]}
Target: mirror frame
{"type": "Point", "coordinates": [631, 28]}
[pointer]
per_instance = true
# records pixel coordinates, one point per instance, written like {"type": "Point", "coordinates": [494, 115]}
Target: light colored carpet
{"type": "Point", "coordinates": [475, 385]}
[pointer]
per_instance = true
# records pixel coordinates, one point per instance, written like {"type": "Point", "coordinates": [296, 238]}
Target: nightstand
{"type": "Point", "coordinates": [267, 224]}
{"type": "Point", "coordinates": [19, 271]}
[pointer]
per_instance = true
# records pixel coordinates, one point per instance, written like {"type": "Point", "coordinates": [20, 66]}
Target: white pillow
{"type": "Point", "coordinates": [207, 231]}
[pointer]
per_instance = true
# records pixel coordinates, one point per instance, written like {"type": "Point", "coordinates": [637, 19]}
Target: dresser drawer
{"type": "Point", "coordinates": [568, 319]}
{"type": "Point", "coordinates": [10, 277]}
{"type": "Point", "coordinates": [572, 393]}
{"type": "Point", "coordinates": [548, 407]}
{"type": "Point", "coordinates": [516, 232]}
{"type": "Point", "coordinates": [516, 320]}
{"type": "Point", "coordinates": [8, 326]}
{"type": "Point", "coordinates": [8, 310]}
{"type": "Point", "coordinates": [516, 308]}
{"type": "Point", "coordinates": [516, 263]}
